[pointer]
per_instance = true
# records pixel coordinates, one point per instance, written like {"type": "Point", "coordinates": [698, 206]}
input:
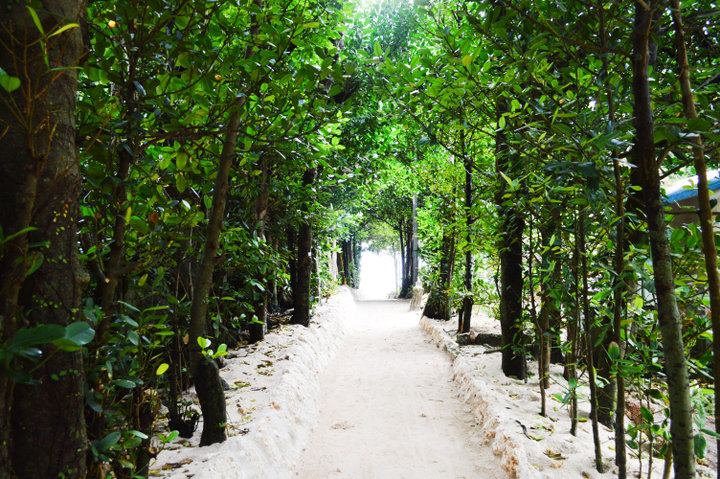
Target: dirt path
{"type": "Point", "coordinates": [389, 407]}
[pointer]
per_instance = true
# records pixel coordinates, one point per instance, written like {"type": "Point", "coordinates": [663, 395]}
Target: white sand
{"type": "Point", "coordinates": [272, 407]}
{"type": "Point", "coordinates": [498, 403]}
{"type": "Point", "coordinates": [389, 408]}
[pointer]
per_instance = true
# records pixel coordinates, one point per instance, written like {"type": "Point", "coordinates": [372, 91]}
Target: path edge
{"type": "Point", "coordinates": [282, 428]}
{"type": "Point", "coordinates": [486, 404]}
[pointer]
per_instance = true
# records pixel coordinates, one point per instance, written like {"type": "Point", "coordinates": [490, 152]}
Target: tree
{"type": "Point", "coordinates": [41, 280]}
{"type": "Point", "coordinates": [667, 311]}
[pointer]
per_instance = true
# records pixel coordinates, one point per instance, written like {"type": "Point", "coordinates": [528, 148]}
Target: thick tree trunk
{"type": "Point", "coordinates": [511, 274]}
{"type": "Point", "coordinates": [42, 426]}
{"type": "Point", "coordinates": [706, 217]}
{"type": "Point", "coordinates": [301, 313]}
{"type": "Point", "coordinates": [681, 426]}
{"type": "Point", "coordinates": [438, 302]}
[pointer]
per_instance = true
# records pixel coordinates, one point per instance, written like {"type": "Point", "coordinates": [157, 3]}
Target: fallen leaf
{"type": "Point", "coordinates": [554, 455]}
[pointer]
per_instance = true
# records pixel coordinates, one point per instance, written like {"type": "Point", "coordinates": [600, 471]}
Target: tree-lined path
{"type": "Point", "coordinates": [389, 407]}
{"type": "Point", "coordinates": [176, 177]}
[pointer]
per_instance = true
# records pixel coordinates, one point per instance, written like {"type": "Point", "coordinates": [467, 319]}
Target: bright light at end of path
{"type": "Point", "coordinates": [377, 275]}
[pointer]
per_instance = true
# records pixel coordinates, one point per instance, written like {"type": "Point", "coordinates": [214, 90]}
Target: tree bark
{"type": "Point", "coordinates": [301, 313]}
{"type": "Point", "coordinates": [511, 274]}
{"type": "Point", "coordinates": [214, 415]}
{"type": "Point", "coordinates": [438, 303]}
{"type": "Point", "coordinates": [588, 317]}
{"type": "Point", "coordinates": [706, 217]}
{"type": "Point", "coordinates": [262, 201]}
{"type": "Point", "coordinates": [467, 304]}
{"type": "Point", "coordinates": [41, 181]}
{"type": "Point", "coordinates": [681, 426]}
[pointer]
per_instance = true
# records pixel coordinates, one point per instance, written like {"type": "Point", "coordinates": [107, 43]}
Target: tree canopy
{"type": "Point", "coordinates": [177, 176]}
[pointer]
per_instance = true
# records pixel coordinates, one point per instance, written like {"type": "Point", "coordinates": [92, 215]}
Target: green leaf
{"type": "Point", "coordinates": [38, 259]}
{"type": "Point", "coordinates": [700, 416]}
{"type": "Point", "coordinates": [222, 351]}
{"type": "Point", "coordinates": [699, 124]}
{"type": "Point", "coordinates": [161, 369]}
{"type": "Point", "coordinates": [710, 432]}
{"type": "Point", "coordinates": [169, 437]}
{"type": "Point", "coordinates": [125, 383]}
{"type": "Point", "coordinates": [647, 415]}
{"type": "Point", "coordinates": [311, 25]}
{"type": "Point", "coordinates": [180, 183]}
{"type": "Point", "coordinates": [36, 19]}
{"type": "Point", "coordinates": [62, 29]}
{"type": "Point", "coordinates": [9, 83]}
{"type": "Point", "coordinates": [700, 445]}
{"type": "Point", "coordinates": [45, 333]}
{"type": "Point", "coordinates": [203, 342]}
{"type": "Point", "coordinates": [133, 337]}
{"type": "Point", "coordinates": [107, 442]}
{"type": "Point", "coordinates": [377, 49]}
{"type": "Point", "coordinates": [76, 336]}
{"type": "Point", "coordinates": [467, 60]}
{"type": "Point", "coordinates": [614, 351]}
{"type": "Point", "coordinates": [181, 159]}
{"type": "Point", "coordinates": [139, 434]}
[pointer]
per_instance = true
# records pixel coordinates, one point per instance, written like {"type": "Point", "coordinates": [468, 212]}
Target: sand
{"type": "Point", "coordinates": [371, 390]}
{"type": "Point", "coordinates": [389, 407]}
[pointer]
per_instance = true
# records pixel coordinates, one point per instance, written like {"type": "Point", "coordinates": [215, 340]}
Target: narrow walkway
{"type": "Point", "coordinates": [389, 407]}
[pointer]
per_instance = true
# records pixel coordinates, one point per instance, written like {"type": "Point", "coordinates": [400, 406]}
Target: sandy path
{"type": "Point", "coordinates": [389, 407]}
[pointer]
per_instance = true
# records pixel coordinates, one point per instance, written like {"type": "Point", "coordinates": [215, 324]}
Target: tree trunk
{"type": "Point", "coordinates": [292, 264]}
{"type": "Point", "coordinates": [262, 201]}
{"type": "Point", "coordinates": [467, 304]}
{"type": "Point", "coordinates": [42, 426]}
{"type": "Point", "coordinates": [681, 426]}
{"type": "Point", "coordinates": [706, 217]}
{"type": "Point", "coordinates": [438, 303]}
{"type": "Point", "coordinates": [588, 316]}
{"type": "Point", "coordinates": [414, 242]}
{"type": "Point", "coordinates": [212, 406]}
{"type": "Point", "coordinates": [301, 313]}
{"type": "Point", "coordinates": [511, 273]}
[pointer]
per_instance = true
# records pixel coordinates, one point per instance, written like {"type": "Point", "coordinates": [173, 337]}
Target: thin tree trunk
{"type": "Point", "coordinates": [619, 299]}
{"type": "Point", "coordinates": [205, 372]}
{"type": "Point", "coordinates": [573, 333]}
{"type": "Point", "coordinates": [414, 242]}
{"type": "Point", "coordinates": [42, 426]}
{"type": "Point", "coordinates": [681, 426]}
{"type": "Point", "coordinates": [554, 313]}
{"type": "Point", "coordinates": [262, 201]}
{"type": "Point", "coordinates": [706, 217]}
{"type": "Point", "coordinates": [589, 344]}
{"type": "Point", "coordinates": [467, 304]}
{"type": "Point", "coordinates": [301, 313]}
